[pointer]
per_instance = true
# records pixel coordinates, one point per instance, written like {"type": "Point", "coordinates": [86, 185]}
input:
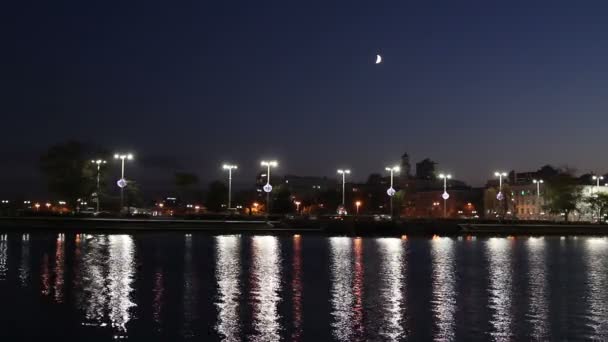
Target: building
{"type": "Point", "coordinates": [528, 203]}
{"type": "Point", "coordinates": [308, 188]}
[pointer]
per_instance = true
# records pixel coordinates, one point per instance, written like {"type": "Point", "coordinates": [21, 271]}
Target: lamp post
{"type": "Point", "coordinates": [500, 175]}
{"type": "Point", "coordinates": [268, 188]}
{"type": "Point", "coordinates": [98, 162]}
{"type": "Point", "coordinates": [122, 182]}
{"type": "Point", "coordinates": [229, 168]}
{"type": "Point", "coordinates": [343, 173]}
{"type": "Point", "coordinates": [597, 193]}
{"type": "Point", "coordinates": [597, 184]}
{"type": "Point", "coordinates": [358, 204]}
{"type": "Point", "coordinates": [297, 203]}
{"type": "Point", "coordinates": [391, 191]}
{"type": "Point", "coordinates": [445, 194]}
{"type": "Point", "coordinates": [538, 182]}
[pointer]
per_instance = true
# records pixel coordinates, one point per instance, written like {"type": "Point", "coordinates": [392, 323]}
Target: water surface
{"type": "Point", "coordinates": [173, 286]}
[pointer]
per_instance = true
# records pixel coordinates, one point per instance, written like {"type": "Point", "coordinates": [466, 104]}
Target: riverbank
{"type": "Point", "coordinates": [350, 226]}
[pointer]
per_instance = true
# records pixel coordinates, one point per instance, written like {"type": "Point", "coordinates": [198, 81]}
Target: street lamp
{"type": "Point", "coordinates": [358, 204]}
{"type": "Point", "coordinates": [297, 203]}
{"type": "Point", "coordinates": [229, 168]}
{"type": "Point", "coordinates": [500, 175]}
{"type": "Point", "coordinates": [597, 192]}
{"type": "Point", "coordinates": [98, 162]}
{"type": "Point", "coordinates": [122, 182]}
{"type": "Point", "coordinates": [391, 191]}
{"type": "Point", "coordinates": [445, 194]}
{"type": "Point", "coordinates": [343, 173]}
{"type": "Point", "coordinates": [268, 188]}
{"type": "Point", "coordinates": [538, 182]}
{"type": "Point", "coordinates": [597, 185]}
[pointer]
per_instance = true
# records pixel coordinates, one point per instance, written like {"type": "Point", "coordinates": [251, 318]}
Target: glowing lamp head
{"type": "Point", "coordinates": [343, 172]}
{"type": "Point", "coordinates": [272, 163]}
{"type": "Point", "coordinates": [127, 156]}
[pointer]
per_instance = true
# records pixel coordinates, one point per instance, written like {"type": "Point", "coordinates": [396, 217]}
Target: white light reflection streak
{"type": "Point", "coordinates": [121, 264]}
{"type": "Point", "coordinates": [444, 288]}
{"type": "Point", "coordinates": [189, 295]}
{"type": "Point", "coordinates": [266, 277]}
{"type": "Point", "coordinates": [500, 291]}
{"type": "Point", "coordinates": [59, 267]}
{"type": "Point", "coordinates": [91, 260]}
{"type": "Point", "coordinates": [3, 256]}
{"type": "Point", "coordinates": [391, 292]}
{"type": "Point", "coordinates": [537, 284]}
{"type": "Point", "coordinates": [24, 268]}
{"type": "Point", "coordinates": [227, 274]}
{"type": "Point", "coordinates": [597, 259]}
{"type": "Point", "coordinates": [342, 289]}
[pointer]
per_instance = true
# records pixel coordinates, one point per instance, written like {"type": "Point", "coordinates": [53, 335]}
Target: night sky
{"type": "Point", "coordinates": [186, 85]}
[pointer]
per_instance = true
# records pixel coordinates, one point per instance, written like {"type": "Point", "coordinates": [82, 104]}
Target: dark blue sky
{"type": "Point", "coordinates": [475, 86]}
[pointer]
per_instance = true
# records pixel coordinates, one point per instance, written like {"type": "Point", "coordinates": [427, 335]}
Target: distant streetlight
{"type": "Point", "coordinates": [268, 188]}
{"type": "Point", "coordinates": [358, 204]}
{"type": "Point", "coordinates": [391, 191]}
{"type": "Point", "coordinates": [122, 182]}
{"type": "Point", "coordinates": [229, 168]}
{"type": "Point", "coordinates": [297, 203]}
{"type": "Point", "coordinates": [98, 162]}
{"type": "Point", "coordinates": [343, 173]}
{"type": "Point", "coordinates": [597, 192]}
{"type": "Point", "coordinates": [538, 182]}
{"type": "Point", "coordinates": [445, 194]}
{"type": "Point", "coordinates": [597, 185]}
{"type": "Point", "coordinates": [500, 175]}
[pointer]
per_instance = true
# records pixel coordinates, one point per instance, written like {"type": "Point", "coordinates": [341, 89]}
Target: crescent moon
{"type": "Point", "coordinates": [378, 59]}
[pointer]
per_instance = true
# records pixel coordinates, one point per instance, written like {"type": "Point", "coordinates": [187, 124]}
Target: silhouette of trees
{"type": "Point", "coordinates": [68, 170]}
{"type": "Point", "coordinates": [217, 195]}
{"type": "Point", "coordinates": [563, 194]}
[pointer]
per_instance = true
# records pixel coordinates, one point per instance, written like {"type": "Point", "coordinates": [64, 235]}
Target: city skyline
{"type": "Point", "coordinates": [475, 86]}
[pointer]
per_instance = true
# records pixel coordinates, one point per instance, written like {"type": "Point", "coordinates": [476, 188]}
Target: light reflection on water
{"type": "Point", "coordinates": [444, 284]}
{"type": "Point", "coordinates": [24, 267]}
{"type": "Point", "coordinates": [227, 273]}
{"type": "Point", "coordinates": [537, 288]}
{"type": "Point", "coordinates": [297, 288]}
{"type": "Point", "coordinates": [120, 276]}
{"type": "Point", "coordinates": [3, 256]}
{"type": "Point", "coordinates": [104, 289]}
{"type": "Point", "coordinates": [392, 289]}
{"type": "Point", "coordinates": [189, 298]}
{"type": "Point", "coordinates": [265, 288]}
{"type": "Point", "coordinates": [342, 288]}
{"type": "Point", "coordinates": [499, 251]}
{"type": "Point", "coordinates": [59, 268]}
{"type": "Point", "coordinates": [597, 250]}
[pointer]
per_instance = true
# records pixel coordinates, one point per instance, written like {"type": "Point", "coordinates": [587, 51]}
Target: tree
{"type": "Point", "coordinates": [563, 194]}
{"type": "Point", "coordinates": [547, 172]}
{"type": "Point", "coordinates": [598, 204]}
{"type": "Point", "coordinates": [217, 196]}
{"type": "Point", "coordinates": [68, 170]}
